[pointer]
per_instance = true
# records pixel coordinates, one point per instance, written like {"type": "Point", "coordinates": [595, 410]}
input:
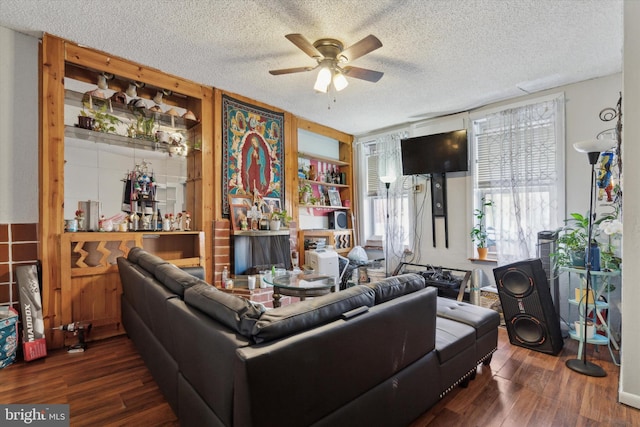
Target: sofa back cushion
{"type": "Point", "coordinates": [395, 286]}
{"type": "Point", "coordinates": [232, 311]}
{"type": "Point", "coordinates": [149, 261]}
{"type": "Point", "coordinates": [304, 315]}
{"type": "Point", "coordinates": [174, 278]}
{"type": "Point", "coordinates": [134, 254]}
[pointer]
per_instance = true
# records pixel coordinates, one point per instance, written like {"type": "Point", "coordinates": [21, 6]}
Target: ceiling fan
{"type": "Point", "coordinates": [331, 56]}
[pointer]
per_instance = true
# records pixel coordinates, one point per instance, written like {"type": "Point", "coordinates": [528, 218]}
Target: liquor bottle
{"type": "Point", "coordinates": [158, 223]}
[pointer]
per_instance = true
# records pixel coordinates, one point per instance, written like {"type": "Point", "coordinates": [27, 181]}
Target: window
{"type": "Point", "coordinates": [519, 167]}
{"type": "Point", "coordinates": [376, 201]}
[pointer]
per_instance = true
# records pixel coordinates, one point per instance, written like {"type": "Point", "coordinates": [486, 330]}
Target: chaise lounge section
{"type": "Point", "coordinates": [375, 354]}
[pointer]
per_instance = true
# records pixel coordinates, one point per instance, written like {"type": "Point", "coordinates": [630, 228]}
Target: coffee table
{"type": "Point", "coordinates": [301, 286]}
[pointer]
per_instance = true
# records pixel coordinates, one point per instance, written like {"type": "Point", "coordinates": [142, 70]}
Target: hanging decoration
{"type": "Point", "coordinates": [610, 164]}
{"type": "Point", "coordinates": [253, 151]}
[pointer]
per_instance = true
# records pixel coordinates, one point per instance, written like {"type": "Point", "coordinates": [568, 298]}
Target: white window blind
{"type": "Point", "coordinates": [530, 146]}
{"type": "Point", "coordinates": [518, 166]}
{"type": "Point", "coordinates": [373, 180]}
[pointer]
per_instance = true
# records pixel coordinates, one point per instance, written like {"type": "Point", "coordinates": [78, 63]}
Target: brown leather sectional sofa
{"type": "Point", "coordinates": [221, 360]}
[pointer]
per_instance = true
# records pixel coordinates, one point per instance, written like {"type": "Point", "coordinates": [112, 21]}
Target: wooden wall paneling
{"type": "Point", "coordinates": [97, 60]}
{"type": "Point", "coordinates": [290, 166]}
{"type": "Point", "coordinates": [96, 300]}
{"type": "Point", "coordinates": [51, 181]}
{"type": "Point", "coordinates": [205, 168]}
{"type": "Point", "coordinates": [295, 200]}
{"type": "Point", "coordinates": [216, 146]}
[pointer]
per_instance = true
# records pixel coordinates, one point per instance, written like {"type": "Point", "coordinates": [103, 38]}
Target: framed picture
{"type": "Point", "coordinates": [271, 204]}
{"type": "Point", "coordinates": [240, 199]}
{"type": "Point", "coordinates": [238, 215]}
{"type": "Point", "coordinates": [334, 198]}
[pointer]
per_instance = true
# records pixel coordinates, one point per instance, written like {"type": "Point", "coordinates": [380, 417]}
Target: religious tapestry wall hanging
{"type": "Point", "coordinates": [252, 150]}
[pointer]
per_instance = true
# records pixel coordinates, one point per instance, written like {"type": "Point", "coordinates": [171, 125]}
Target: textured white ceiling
{"type": "Point", "coordinates": [438, 56]}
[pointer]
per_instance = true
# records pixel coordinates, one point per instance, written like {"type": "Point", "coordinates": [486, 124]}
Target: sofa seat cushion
{"type": "Point", "coordinates": [287, 320]}
{"type": "Point", "coordinates": [395, 286]}
{"type": "Point", "coordinates": [175, 278]}
{"type": "Point", "coordinates": [484, 320]}
{"type": "Point", "coordinates": [232, 311]}
{"type": "Point", "coordinates": [452, 338]}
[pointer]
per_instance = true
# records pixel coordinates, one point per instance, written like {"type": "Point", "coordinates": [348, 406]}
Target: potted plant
{"type": "Point", "coordinates": [479, 231]}
{"type": "Point", "coordinates": [278, 218]}
{"type": "Point", "coordinates": [305, 192]}
{"type": "Point", "coordinates": [100, 120]}
{"type": "Point", "coordinates": [572, 241]}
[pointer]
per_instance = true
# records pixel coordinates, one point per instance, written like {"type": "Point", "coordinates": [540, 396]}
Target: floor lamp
{"type": "Point", "coordinates": [387, 180]}
{"type": "Point", "coordinates": [593, 148]}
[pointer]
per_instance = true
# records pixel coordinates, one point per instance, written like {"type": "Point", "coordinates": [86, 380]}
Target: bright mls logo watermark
{"type": "Point", "coordinates": [34, 415]}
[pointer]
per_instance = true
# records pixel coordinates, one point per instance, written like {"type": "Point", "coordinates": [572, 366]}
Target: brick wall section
{"type": "Point", "coordinates": [18, 246]}
{"type": "Point", "coordinates": [261, 295]}
{"type": "Point", "coordinates": [221, 249]}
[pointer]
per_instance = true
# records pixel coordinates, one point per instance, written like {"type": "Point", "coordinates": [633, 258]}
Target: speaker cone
{"type": "Point", "coordinates": [516, 283]}
{"type": "Point", "coordinates": [528, 329]}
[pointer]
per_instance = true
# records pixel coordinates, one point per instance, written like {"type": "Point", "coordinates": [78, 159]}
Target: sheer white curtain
{"type": "Point", "coordinates": [392, 191]}
{"type": "Point", "coordinates": [519, 167]}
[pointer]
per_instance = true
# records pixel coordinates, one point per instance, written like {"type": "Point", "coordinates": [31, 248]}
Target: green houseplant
{"type": "Point", "coordinates": [479, 231]}
{"type": "Point", "coordinates": [102, 121]}
{"type": "Point", "coordinates": [572, 241]}
{"type": "Point", "coordinates": [305, 193]}
{"type": "Point", "coordinates": [278, 218]}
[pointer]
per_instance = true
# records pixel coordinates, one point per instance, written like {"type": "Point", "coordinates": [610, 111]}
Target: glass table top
{"type": "Point", "coordinates": [303, 281]}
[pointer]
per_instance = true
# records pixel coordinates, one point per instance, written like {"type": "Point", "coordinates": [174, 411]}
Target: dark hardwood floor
{"type": "Point", "coordinates": [109, 385]}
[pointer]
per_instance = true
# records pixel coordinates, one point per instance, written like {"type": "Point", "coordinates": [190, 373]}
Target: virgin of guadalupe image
{"type": "Point", "coordinates": [256, 168]}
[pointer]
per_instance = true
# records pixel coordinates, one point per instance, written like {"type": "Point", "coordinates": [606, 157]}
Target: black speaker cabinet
{"type": "Point", "coordinates": [438, 195]}
{"type": "Point", "coordinates": [338, 220]}
{"type": "Point", "coordinates": [528, 309]}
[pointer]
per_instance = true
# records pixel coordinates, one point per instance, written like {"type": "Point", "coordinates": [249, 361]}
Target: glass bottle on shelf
{"type": "Point", "coordinates": [225, 276]}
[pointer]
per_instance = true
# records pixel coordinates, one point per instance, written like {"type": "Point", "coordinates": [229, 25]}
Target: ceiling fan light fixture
{"type": "Point", "coordinates": [339, 81]}
{"type": "Point", "coordinates": [323, 80]}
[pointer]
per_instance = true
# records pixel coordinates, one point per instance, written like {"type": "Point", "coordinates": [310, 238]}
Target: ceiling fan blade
{"type": "Point", "coordinates": [364, 46]}
{"type": "Point", "coordinates": [363, 74]}
{"type": "Point", "coordinates": [304, 45]}
{"type": "Point", "coordinates": [290, 70]}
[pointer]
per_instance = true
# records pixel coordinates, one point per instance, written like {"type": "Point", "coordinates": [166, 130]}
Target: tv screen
{"type": "Point", "coordinates": [438, 153]}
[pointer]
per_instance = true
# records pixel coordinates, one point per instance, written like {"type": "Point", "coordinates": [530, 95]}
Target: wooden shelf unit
{"type": "Point", "coordinates": [91, 293]}
{"type": "Point", "coordinates": [341, 240]}
{"type": "Point", "coordinates": [344, 162]}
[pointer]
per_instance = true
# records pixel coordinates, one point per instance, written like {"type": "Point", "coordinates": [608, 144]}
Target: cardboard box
{"type": "Point", "coordinates": [8, 336]}
{"type": "Point", "coordinates": [33, 337]}
{"type": "Point", "coordinates": [489, 298]}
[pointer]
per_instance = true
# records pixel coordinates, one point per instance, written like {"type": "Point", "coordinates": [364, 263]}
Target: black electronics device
{"type": "Point", "coordinates": [338, 220]}
{"type": "Point", "coordinates": [529, 313]}
{"type": "Point", "coordinates": [435, 154]}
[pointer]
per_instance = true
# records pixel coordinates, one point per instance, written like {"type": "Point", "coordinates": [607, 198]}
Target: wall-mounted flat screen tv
{"type": "Point", "coordinates": [438, 153]}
